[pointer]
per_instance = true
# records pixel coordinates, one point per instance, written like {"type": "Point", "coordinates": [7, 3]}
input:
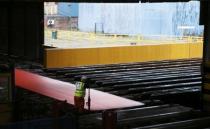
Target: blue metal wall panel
{"type": "Point", "coordinates": [136, 18]}
{"type": "Point", "coordinates": [68, 9]}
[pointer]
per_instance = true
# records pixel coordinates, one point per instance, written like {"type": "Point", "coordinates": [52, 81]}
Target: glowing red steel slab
{"type": "Point", "coordinates": [65, 91]}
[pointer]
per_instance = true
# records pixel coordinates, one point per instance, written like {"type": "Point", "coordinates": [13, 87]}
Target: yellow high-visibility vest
{"type": "Point", "coordinates": [80, 89]}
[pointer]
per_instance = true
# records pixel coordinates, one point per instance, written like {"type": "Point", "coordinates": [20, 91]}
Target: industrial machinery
{"type": "Point", "coordinates": [177, 81]}
{"type": "Point", "coordinates": [48, 101]}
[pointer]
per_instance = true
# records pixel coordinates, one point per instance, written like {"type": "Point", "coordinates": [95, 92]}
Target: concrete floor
{"type": "Point", "coordinates": [76, 39]}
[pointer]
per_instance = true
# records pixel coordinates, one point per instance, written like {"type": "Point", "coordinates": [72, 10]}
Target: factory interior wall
{"type": "Point", "coordinates": [109, 55]}
{"type": "Point", "coordinates": [22, 30]}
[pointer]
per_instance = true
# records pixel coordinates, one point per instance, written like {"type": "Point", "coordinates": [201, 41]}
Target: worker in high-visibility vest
{"type": "Point", "coordinates": [79, 96]}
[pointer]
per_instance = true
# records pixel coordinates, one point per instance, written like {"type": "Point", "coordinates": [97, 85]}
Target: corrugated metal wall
{"type": "Point", "coordinates": [145, 18]}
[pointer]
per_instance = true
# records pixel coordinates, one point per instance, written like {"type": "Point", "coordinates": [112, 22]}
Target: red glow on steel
{"type": "Point", "coordinates": [65, 91]}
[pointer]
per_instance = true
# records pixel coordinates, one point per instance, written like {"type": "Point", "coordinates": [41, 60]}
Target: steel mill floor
{"type": "Point", "coordinates": [170, 90]}
{"type": "Point", "coordinates": [159, 82]}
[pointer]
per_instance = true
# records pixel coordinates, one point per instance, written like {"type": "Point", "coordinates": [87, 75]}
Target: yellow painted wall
{"type": "Point", "coordinates": [110, 55]}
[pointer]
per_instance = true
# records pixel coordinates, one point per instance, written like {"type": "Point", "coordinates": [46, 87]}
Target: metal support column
{"type": "Point", "coordinates": [205, 20]}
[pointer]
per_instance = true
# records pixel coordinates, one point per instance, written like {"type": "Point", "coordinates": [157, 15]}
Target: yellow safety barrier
{"type": "Point", "coordinates": [121, 54]}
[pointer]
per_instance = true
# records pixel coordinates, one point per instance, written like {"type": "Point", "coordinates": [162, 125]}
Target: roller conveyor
{"type": "Point", "coordinates": [129, 80]}
{"type": "Point", "coordinates": [155, 65]}
{"type": "Point", "coordinates": [155, 88]}
{"type": "Point", "coordinates": [127, 65]}
{"type": "Point", "coordinates": [154, 83]}
{"type": "Point", "coordinates": [65, 91]}
{"type": "Point", "coordinates": [147, 117]}
{"type": "Point", "coordinates": [128, 75]}
{"type": "Point", "coordinates": [110, 83]}
{"type": "Point", "coordinates": [69, 74]}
